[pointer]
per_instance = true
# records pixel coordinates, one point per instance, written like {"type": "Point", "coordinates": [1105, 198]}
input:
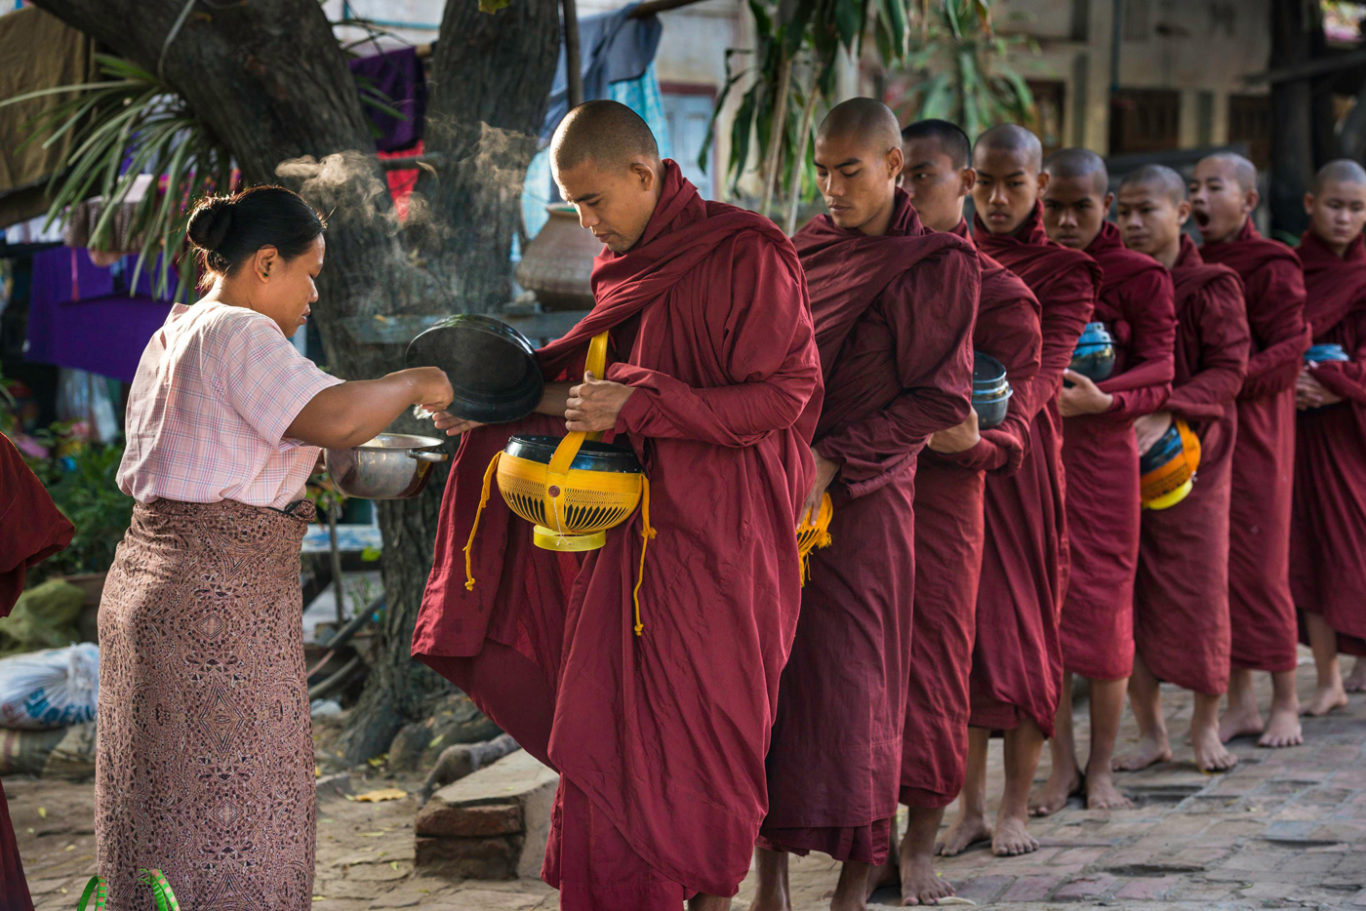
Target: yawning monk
{"type": "Point", "coordinates": [893, 305]}
{"type": "Point", "coordinates": [949, 531]}
{"type": "Point", "coordinates": [1328, 530]}
{"type": "Point", "coordinates": [1017, 661]}
{"type": "Point", "coordinates": [1261, 611]}
{"type": "Point", "coordinates": [658, 728]}
{"type": "Point", "coordinates": [1101, 457]}
{"type": "Point", "coordinates": [1181, 625]}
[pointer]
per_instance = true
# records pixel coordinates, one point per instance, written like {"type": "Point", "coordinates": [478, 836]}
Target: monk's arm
{"type": "Point", "coordinates": [1010, 333]}
{"type": "Point", "coordinates": [769, 353]}
{"type": "Point", "coordinates": [1068, 301]}
{"type": "Point", "coordinates": [1275, 314]}
{"type": "Point", "coordinates": [1147, 381]}
{"type": "Point", "coordinates": [1348, 379]}
{"type": "Point", "coordinates": [1224, 341]}
{"type": "Point", "coordinates": [930, 311]}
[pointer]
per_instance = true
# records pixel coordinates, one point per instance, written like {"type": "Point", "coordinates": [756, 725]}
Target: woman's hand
{"type": "Point", "coordinates": [594, 404]}
{"type": "Point", "coordinates": [825, 475]}
{"type": "Point", "coordinates": [1149, 428]}
{"type": "Point", "coordinates": [1083, 397]}
{"type": "Point", "coordinates": [960, 438]}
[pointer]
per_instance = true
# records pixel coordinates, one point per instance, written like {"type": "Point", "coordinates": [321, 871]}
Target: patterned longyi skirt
{"type": "Point", "coordinates": [204, 761]}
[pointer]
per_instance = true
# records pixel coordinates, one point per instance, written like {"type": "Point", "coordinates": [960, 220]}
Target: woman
{"type": "Point", "coordinates": [204, 765]}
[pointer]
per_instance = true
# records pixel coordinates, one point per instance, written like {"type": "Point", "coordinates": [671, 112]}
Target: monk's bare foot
{"type": "Point", "coordinates": [1101, 793]}
{"type": "Point", "coordinates": [886, 875]}
{"type": "Point", "coordinates": [851, 892]}
{"type": "Point", "coordinates": [1356, 681]}
{"type": "Point", "coordinates": [1326, 699]}
{"type": "Point", "coordinates": [1055, 793]}
{"type": "Point", "coordinates": [1240, 723]}
{"type": "Point", "coordinates": [1012, 838]}
{"type": "Point", "coordinates": [1283, 730]}
{"type": "Point", "coordinates": [965, 832]}
{"type": "Point", "coordinates": [919, 884]}
{"type": "Point", "coordinates": [704, 902]}
{"type": "Point", "coordinates": [1150, 751]}
{"type": "Point", "coordinates": [1210, 753]}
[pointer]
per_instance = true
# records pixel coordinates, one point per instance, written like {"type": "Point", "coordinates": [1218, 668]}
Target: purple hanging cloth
{"type": "Point", "coordinates": [399, 75]}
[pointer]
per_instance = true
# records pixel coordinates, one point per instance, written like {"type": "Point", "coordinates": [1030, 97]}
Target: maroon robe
{"type": "Point", "coordinates": [1328, 529]}
{"type": "Point", "coordinates": [1261, 610]}
{"type": "Point", "coordinates": [1101, 461]}
{"type": "Point", "coordinates": [893, 319]}
{"type": "Point", "coordinates": [949, 535]}
{"type": "Point", "coordinates": [31, 529]}
{"type": "Point", "coordinates": [1181, 623]}
{"type": "Point", "coordinates": [659, 738]}
{"type": "Point", "coordinates": [1017, 661]}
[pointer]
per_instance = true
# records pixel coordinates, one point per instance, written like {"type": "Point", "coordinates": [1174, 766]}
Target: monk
{"type": "Point", "coordinates": [893, 304]}
{"type": "Point", "coordinates": [949, 530]}
{"type": "Point", "coordinates": [1017, 661]}
{"type": "Point", "coordinates": [655, 710]}
{"type": "Point", "coordinates": [1328, 525]}
{"type": "Point", "coordinates": [31, 530]}
{"type": "Point", "coordinates": [1100, 454]}
{"type": "Point", "coordinates": [1181, 625]}
{"type": "Point", "coordinates": [1223, 192]}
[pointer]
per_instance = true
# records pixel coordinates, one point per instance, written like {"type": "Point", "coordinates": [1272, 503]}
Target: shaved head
{"type": "Point", "coordinates": [1008, 137]}
{"type": "Point", "coordinates": [1342, 170]}
{"type": "Point", "coordinates": [952, 141]}
{"type": "Point", "coordinates": [1079, 164]}
{"type": "Point", "coordinates": [865, 120]}
{"type": "Point", "coordinates": [1235, 167]}
{"type": "Point", "coordinates": [607, 133]}
{"type": "Point", "coordinates": [1161, 178]}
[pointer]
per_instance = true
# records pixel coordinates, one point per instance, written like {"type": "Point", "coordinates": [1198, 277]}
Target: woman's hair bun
{"type": "Point", "coordinates": [210, 223]}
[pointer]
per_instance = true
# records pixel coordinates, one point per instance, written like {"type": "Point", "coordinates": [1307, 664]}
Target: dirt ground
{"type": "Point", "coordinates": [1285, 829]}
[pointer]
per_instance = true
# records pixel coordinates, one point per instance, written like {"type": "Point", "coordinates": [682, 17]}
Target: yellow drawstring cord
{"type": "Point", "coordinates": [822, 540]}
{"type": "Point", "coordinates": [646, 534]}
{"type": "Point", "coordinates": [483, 501]}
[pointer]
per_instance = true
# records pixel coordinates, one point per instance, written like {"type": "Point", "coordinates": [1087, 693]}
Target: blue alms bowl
{"type": "Point", "coordinates": [1322, 354]}
{"type": "Point", "coordinates": [1094, 356]}
{"type": "Point", "coordinates": [991, 390]}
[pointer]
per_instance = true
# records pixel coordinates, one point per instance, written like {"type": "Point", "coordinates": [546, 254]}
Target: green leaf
{"type": "Point", "coordinates": [492, 6]}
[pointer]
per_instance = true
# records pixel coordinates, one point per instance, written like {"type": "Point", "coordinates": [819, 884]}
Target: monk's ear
{"type": "Point", "coordinates": [1109, 202]}
{"type": "Point", "coordinates": [1044, 178]}
{"type": "Point", "coordinates": [1250, 199]}
{"type": "Point", "coordinates": [895, 161]}
{"type": "Point", "coordinates": [1308, 203]}
{"type": "Point", "coordinates": [968, 178]}
{"type": "Point", "coordinates": [645, 174]}
{"type": "Point", "coordinates": [1183, 211]}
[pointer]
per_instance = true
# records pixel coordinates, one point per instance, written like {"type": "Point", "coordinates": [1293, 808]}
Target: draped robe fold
{"type": "Point", "coordinates": [659, 738]}
{"type": "Point", "coordinates": [1261, 609]}
{"type": "Point", "coordinates": [949, 534]}
{"type": "Point", "coordinates": [1017, 661]}
{"type": "Point", "coordinates": [1328, 530]}
{"type": "Point", "coordinates": [1101, 461]}
{"type": "Point", "coordinates": [893, 318]}
{"type": "Point", "coordinates": [1181, 620]}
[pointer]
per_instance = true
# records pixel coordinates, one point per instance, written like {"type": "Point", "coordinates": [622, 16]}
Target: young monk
{"type": "Point", "coordinates": [1223, 195]}
{"type": "Point", "coordinates": [893, 305]}
{"type": "Point", "coordinates": [1100, 455]}
{"type": "Point", "coordinates": [658, 720]}
{"type": "Point", "coordinates": [1328, 527]}
{"type": "Point", "coordinates": [1181, 626]}
{"type": "Point", "coordinates": [949, 530]}
{"type": "Point", "coordinates": [1017, 661]}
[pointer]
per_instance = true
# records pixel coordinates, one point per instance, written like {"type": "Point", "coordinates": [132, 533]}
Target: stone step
{"type": "Point", "coordinates": [492, 824]}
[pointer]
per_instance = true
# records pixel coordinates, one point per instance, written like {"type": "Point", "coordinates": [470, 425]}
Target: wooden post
{"type": "Point", "coordinates": [573, 67]}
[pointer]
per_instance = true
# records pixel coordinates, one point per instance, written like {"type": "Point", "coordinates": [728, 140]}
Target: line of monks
{"type": "Point", "coordinates": [972, 571]}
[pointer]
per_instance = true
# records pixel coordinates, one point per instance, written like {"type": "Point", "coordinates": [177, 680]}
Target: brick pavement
{"type": "Point", "coordinates": [1285, 829]}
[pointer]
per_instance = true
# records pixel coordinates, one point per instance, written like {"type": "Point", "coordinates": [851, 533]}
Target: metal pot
{"type": "Point", "coordinates": [392, 466]}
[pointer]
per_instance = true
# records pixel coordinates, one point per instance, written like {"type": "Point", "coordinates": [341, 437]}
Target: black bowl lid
{"type": "Point", "coordinates": [592, 455]}
{"type": "Point", "coordinates": [1167, 447]}
{"type": "Point", "coordinates": [986, 370]}
{"type": "Point", "coordinates": [492, 367]}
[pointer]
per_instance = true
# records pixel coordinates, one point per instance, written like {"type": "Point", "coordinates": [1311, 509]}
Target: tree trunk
{"type": "Point", "coordinates": [1296, 36]}
{"type": "Point", "coordinates": [270, 79]}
